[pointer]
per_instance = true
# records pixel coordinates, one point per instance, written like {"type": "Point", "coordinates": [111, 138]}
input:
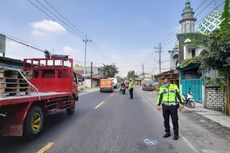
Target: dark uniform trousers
{"type": "Point", "coordinates": [171, 111]}
{"type": "Point", "coordinates": [131, 93]}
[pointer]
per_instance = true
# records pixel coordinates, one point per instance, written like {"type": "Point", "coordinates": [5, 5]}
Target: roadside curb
{"type": "Point", "coordinates": [212, 115]}
{"type": "Point", "coordinates": [87, 91]}
{"type": "Point", "coordinates": [215, 116]}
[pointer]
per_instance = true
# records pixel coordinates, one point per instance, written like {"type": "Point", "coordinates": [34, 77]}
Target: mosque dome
{"type": "Point", "coordinates": [211, 22]}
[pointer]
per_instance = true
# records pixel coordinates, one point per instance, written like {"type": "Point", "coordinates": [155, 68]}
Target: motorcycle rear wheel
{"type": "Point", "coordinates": [191, 104]}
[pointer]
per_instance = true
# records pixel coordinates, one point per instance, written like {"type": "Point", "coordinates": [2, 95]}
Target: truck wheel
{"type": "Point", "coordinates": [71, 110]}
{"type": "Point", "coordinates": [33, 123]}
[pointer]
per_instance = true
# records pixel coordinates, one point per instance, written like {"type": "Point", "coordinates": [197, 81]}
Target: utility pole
{"type": "Point", "coordinates": [159, 50]}
{"type": "Point", "coordinates": [91, 74]}
{"type": "Point", "coordinates": [143, 70]}
{"type": "Point", "coordinates": [86, 40]}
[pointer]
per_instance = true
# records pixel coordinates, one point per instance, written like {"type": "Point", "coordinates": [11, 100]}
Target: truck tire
{"type": "Point", "coordinates": [33, 123]}
{"type": "Point", "coordinates": [71, 110]}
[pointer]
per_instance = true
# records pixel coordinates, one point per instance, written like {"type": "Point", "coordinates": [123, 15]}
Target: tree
{"type": "Point", "coordinates": [216, 54]}
{"type": "Point", "coordinates": [119, 78]}
{"type": "Point", "coordinates": [131, 75]}
{"type": "Point", "coordinates": [225, 16]}
{"type": "Point", "coordinates": [109, 70]}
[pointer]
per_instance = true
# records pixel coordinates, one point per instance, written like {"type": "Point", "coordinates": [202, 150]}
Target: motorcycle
{"type": "Point", "coordinates": [188, 100]}
{"type": "Point", "coordinates": [123, 90]}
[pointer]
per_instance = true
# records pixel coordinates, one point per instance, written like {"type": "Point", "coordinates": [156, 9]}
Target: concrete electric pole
{"type": "Point", "coordinates": [86, 40]}
{"type": "Point", "coordinates": [143, 70]}
{"type": "Point", "coordinates": [159, 50]}
{"type": "Point", "coordinates": [91, 74]}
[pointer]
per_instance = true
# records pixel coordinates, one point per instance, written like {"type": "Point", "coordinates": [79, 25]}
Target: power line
{"type": "Point", "coordinates": [201, 5]}
{"type": "Point", "coordinates": [60, 19]}
{"type": "Point", "coordinates": [208, 13]}
{"type": "Point", "coordinates": [104, 55]}
{"type": "Point", "coordinates": [70, 29]}
{"type": "Point", "coordinates": [69, 26]}
{"type": "Point", "coordinates": [64, 18]}
{"type": "Point", "coordinates": [24, 43]}
{"type": "Point", "coordinates": [198, 20]}
{"type": "Point", "coordinates": [169, 37]}
{"type": "Point", "coordinates": [204, 8]}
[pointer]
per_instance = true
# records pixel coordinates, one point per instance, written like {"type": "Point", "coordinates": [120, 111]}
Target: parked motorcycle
{"type": "Point", "coordinates": [188, 100]}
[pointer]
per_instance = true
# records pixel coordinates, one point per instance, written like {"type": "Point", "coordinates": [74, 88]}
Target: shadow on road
{"type": "Point", "coordinates": [53, 125]}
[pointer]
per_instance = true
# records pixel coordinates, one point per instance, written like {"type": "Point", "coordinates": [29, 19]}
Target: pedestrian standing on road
{"type": "Point", "coordinates": [168, 98]}
{"type": "Point", "coordinates": [131, 86]}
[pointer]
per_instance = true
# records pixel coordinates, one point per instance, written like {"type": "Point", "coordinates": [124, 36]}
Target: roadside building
{"type": "Point", "coordinates": [174, 57]}
{"type": "Point", "coordinates": [172, 75]}
{"type": "Point", "coordinates": [190, 47]}
{"type": "Point", "coordinates": [90, 81]}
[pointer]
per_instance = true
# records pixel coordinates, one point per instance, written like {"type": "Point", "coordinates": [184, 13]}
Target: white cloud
{"type": "Point", "coordinates": [40, 28]}
{"type": "Point", "coordinates": [38, 33]}
{"type": "Point", "coordinates": [18, 51]}
{"type": "Point", "coordinates": [12, 45]}
{"type": "Point", "coordinates": [68, 50]}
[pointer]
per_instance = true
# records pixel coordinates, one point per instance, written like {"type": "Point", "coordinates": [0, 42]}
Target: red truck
{"type": "Point", "coordinates": [53, 87]}
{"type": "Point", "coordinates": [106, 85]}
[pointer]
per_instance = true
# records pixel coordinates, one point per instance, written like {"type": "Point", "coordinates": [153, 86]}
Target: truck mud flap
{"type": "Point", "coordinates": [14, 120]}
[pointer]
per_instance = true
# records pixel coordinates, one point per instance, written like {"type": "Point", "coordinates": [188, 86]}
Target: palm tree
{"type": "Point", "coordinates": [109, 70]}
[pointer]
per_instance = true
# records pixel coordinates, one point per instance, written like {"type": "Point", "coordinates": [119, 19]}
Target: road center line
{"type": "Point", "coordinates": [46, 147]}
{"type": "Point", "coordinates": [111, 95]}
{"type": "Point", "coordinates": [99, 105]}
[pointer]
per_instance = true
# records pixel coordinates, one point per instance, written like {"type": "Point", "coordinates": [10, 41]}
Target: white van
{"type": "Point", "coordinates": [114, 82]}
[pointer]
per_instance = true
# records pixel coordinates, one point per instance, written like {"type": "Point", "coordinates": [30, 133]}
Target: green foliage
{"type": "Point", "coordinates": [109, 70]}
{"type": "Point", "coordinates": [187, 62]}
{"type": "Point", "coordinates": [220, 82]}
{"type": "Point", "coordinates": [119, 79]}
{"type": "Point", "coordinates": [131, 75]}
{"type": "Point", "coordinates": [217, 51]}
{"type": "Point", "coordinates": [225, 16]}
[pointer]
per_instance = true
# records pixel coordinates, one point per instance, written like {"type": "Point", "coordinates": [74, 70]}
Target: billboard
{"type": "Point", "coordinates": [2, 43]}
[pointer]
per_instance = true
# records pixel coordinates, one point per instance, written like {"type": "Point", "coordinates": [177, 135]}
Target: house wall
{"type": "Point", "coordinates": [198, 51]}
{"type": "Point", "coordinates": [88, 83]}
{"type": "Point", "coordinates": [214, 98]}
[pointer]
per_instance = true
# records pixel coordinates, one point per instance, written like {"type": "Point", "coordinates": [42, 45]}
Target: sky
{"type": "Point", "coordinates": [124, 32]}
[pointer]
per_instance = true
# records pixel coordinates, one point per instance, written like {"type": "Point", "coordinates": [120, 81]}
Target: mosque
{"type": "Point", "coordinates": [184, 57]}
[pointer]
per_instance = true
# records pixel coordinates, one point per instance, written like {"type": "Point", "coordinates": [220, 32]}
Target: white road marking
{"type": "Point", "coordinates": [150, 142]}
{"type": "Point", "coordinates": [186, 141]}
{"type": "Point", "coordinates": [111, 95]}
{"type": "Point", "coordinates": [189, 144]}
{"type": "Point", "coordinates": [99, 105]}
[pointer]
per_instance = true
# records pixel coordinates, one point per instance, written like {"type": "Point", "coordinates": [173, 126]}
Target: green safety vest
{"type": "Point", "coordinates": [169, 95]}
{"type": "Point", "coordinates": [131, 84]}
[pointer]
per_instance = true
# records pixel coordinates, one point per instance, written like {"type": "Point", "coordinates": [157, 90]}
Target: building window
{"type": "Point", "coordinates": [193, 53]}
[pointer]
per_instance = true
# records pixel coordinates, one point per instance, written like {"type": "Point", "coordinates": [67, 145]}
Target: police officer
{"type": "Point", "coordinates": [131, 86]}
{"type": "Point", "coordinates": [168, 97]}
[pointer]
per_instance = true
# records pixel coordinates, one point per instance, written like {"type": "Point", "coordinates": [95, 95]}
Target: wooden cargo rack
{"type": "Point", "coordinates": [12, 83]}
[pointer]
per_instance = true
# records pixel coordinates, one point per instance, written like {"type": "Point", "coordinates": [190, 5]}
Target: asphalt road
{"type": "Point", "coordinates": [113, 123]}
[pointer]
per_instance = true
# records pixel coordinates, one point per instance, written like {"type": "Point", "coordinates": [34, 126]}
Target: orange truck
{"type": "Point", "coordinates": [106, 85]}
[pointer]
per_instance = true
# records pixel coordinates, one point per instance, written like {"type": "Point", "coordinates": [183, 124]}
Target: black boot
{"type": "Point", "coordinates": [176, 137]}
{"type": "Point", "coordinates": [166, 135]}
